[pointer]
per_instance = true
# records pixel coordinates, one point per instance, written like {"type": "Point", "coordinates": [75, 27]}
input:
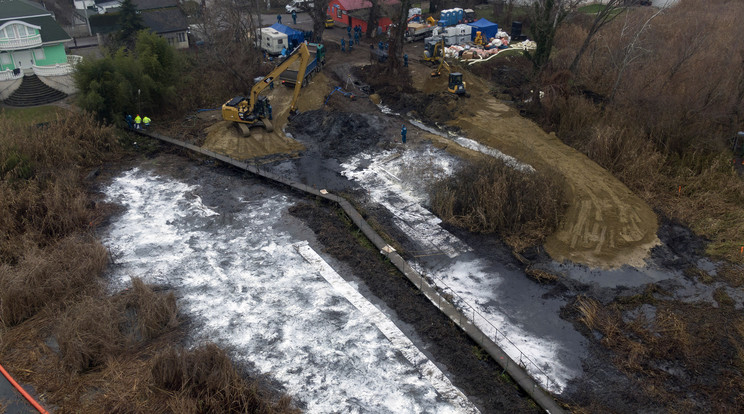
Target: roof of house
{"type": "Point", "coordinates": [50, 31]}
{"type": "Point", "coordinates": [165, 20]}
{"type": "Point", "coordinates": [154, 4]}
{"type": "Point", "coordinates": [10, 9]}
{"type": "Point", "coordinates": [363, 4]}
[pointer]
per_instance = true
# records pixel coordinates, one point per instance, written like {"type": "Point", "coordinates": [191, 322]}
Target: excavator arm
{"type": "Point", "coordinates": [302, 53]}
{"type": "Point", "coordinates": [442, 65]}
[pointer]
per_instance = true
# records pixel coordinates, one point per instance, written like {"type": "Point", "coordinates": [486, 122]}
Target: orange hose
{"type": "Point", "coordinates": [23, 392]}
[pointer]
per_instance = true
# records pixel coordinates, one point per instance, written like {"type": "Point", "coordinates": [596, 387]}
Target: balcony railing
{"type": "Point", "coordinates": [9, 75]}
{"type": "Point", "coordinates": [74, 59]}
{"type": "Point", "coordinates": [56, 70]}
{"type": "Point", "coordinates": [60, 68]}
{"type": "Point", "coordinates": [20, 43]}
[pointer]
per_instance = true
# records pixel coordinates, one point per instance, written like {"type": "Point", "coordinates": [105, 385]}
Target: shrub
{"type": "Point", "coordinates": [491, 197]}
{"type": "Point", "coordinates": [204, 380]}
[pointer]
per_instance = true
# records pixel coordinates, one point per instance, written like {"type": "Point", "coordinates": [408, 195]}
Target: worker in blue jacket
{"type": "Point", "coordinates": [403, 132]}
{"type": "Point", "coordinates": [343, 45]}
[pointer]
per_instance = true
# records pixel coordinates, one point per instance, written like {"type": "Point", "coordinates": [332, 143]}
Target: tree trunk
{"type": "Point", "coordinates": [396, 42]}
{"type": "Point", "coordinates": [373, 19]}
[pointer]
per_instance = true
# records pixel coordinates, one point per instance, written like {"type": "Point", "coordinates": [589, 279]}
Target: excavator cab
{"type": "Point", "coordinates": [456, 85]}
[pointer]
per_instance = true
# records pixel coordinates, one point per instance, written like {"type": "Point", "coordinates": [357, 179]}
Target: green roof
{"type": "Point", "coordinates": [10, 9]}
{"type": "Point", "coordinates": [51, 31]}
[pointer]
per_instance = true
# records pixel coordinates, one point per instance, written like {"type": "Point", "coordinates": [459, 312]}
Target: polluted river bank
{"type": "Point", "coordinates": [250, 263]}
{"type": "Point", "coordinates": [231, 246]}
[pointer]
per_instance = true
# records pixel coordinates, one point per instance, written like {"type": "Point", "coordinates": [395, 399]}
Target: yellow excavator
{"type": "Point", "coordinates": [455, 84]}
{"type": "Point", "coordinates": [247, 112]}
{"type": "Point", "coordinates": [434, 50]}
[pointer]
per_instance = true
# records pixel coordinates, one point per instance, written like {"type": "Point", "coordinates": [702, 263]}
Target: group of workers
{"type": "Point", "coordinates": [353, 39]}
{"type": "Point", "coordinates": [137, 122]}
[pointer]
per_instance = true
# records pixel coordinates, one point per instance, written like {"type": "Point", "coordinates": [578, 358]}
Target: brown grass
{"type": "Point", "coordinates": [669, 122]}
{"type": "Point", "coordinates": [82, 350]}
{"type": "Point", "coordinates": [491, 197]}
{"type": "Point", "coordinates": [61, 272]}
{"type": "Point", "coordinates": [204, 380]}
{"type": "Point", "coordinates": [685, 337]}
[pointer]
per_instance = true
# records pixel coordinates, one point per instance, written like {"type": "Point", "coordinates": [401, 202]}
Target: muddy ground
{"type": "Point", "coordinates": [606, 226]}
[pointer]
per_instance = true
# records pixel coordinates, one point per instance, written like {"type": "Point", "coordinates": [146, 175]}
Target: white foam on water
{"type": "Point", "coordinates": [385, 180]}
{"type": "Point", "coordinates": [476, 146]}
{"type": "Point", "coordinates": [245, 285]}
{"type": "Point", "coordinates": [404, 198]}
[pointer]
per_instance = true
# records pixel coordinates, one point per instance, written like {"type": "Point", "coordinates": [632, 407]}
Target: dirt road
{"type": "Point", "coordinates": [605, 225]}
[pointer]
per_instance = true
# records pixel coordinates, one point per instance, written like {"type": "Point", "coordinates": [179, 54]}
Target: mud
{"type": "Point", "coordinates": [469, 368]}
{"type": "Point", "coordinates": [338, 134]}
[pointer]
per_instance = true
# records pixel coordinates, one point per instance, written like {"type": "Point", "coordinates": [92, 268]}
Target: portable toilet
{"type": "Point", "coordinates": [273, 41]}
{"type": "Point", "coordinates": [458, 14]}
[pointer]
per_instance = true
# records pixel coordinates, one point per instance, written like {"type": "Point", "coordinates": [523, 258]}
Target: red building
{"type": "Point", "coordinates": [356, 12]}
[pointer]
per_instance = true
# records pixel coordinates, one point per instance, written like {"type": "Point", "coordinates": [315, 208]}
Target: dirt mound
{"type": "Point", "coordinates": [224, 138]}
{"type": "Point", "coordinates": [605, 225]}
{"type": "Point", "coordinates": [345, 134]}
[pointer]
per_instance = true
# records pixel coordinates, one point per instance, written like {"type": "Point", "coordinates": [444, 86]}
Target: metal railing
{"type": "Point", "coordinates": [20, 43]}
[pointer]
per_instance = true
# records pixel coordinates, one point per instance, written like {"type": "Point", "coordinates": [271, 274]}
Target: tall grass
{"type": "Point", "coordinates": [667, 99]}
{"type": "Point", "coordinates": [488, 196]}
{"type": "Point", "coordinates": [83, 350]}
{"type": "Point", "coordinates": [204, 380]}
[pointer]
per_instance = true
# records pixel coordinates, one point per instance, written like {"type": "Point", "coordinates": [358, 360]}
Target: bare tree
{"type": "Point", "coordinates": [396, 42]}
{"type": "Point", "coordinates": [231, 29]}
{"type": "Point", "coordinates": [611, 9]}
{"type": "Point", "coordinates": [633, 49]}
{"type": "Point", "coordinates": [318, 13]}
{"type": "Point", "coordinates": [546, 16]}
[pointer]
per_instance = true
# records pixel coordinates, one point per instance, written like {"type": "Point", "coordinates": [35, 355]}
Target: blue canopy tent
{"type": "Point", "coordinates": [295, 37]}
{"type": "Point", "coordinates": [487, 28]}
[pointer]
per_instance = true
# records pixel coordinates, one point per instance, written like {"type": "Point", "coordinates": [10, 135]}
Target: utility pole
{"type": "Point", "coordinates": [139, 107]}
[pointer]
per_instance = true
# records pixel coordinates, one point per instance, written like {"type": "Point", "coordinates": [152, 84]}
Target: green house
{"type": "Point", "coordinates": [31, 40]}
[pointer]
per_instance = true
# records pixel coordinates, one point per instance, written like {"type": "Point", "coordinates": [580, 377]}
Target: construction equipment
{"type": "Point", "coordinates": [456, 85]}
{"type": "Point", "coordinates": [255, 110]}
{"type": "Point", "coordinates": [317, 60]}
{"type": "Point", "coordinates": [479, 40]}
{"type": "Point", "coordinates": [431, 21]}
{"type": "Point", "coordinates": [329, 23]}
{"type": "Point", "coordinates": [443, 65]}
{"type": "Point", "coordinates": [433, 48]}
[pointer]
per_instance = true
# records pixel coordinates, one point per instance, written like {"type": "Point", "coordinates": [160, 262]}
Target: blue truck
{"type": "Point", "coordinates": [317, 60]}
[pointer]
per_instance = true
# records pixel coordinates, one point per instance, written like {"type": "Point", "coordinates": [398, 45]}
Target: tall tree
{"type": "Point", "coordinates": [396, 42]}
{"type": "Point", "coordinates": [546, 16]}
{"type": "Point", "coordinates": [373, 19]}
{"type": "Point", "coordinates": [434, 6]}
{"type": "Point", "coordinates": [130, 22]}
{"type": "Point", "coordinates": [318, 13]}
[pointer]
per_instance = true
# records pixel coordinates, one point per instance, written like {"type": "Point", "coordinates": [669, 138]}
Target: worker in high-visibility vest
{"type": "Point", "coordinates": [146, 121]}
{"type": "Point", "coordinates": [137, 122]}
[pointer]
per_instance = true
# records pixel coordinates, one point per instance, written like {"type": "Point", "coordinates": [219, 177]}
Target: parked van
{"type": "Point", "coordinates": [298, 5]}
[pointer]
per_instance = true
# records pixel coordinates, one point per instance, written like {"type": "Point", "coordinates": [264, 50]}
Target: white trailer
{"type": "Point", "coordinates": [273, 41]}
